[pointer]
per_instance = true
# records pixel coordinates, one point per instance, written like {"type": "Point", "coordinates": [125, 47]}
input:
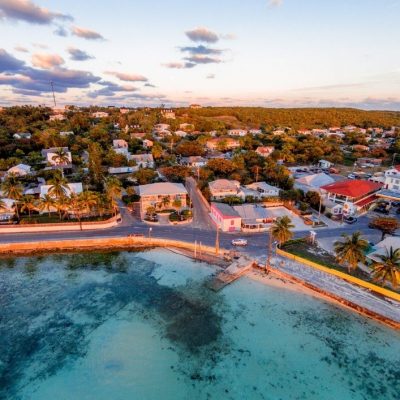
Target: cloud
{"type": "Point", "coordinates": [21, 49]}
{"type": "Point", "coordinates": [127, 77]}
{"type": "Point", "coordinates": [200, 50]}
{"type": "Point", "coordinates": [26, 10]}
{"type": "Point", "coordinates": [202, 34]}
{"type": "Point", "coordinates": [86, 33]}
{"type": "Point", "coordinates": [201, 59]}
{"type": "Point", "coordinates": [47, 61]}
{"type": "Point", "coordinates": [210, 76]}
{"type": "Point", "coordinates": [78, 55]}
{"type": "Point", "coordinates": [275, 3]}
{"type": "Point", "coordinates": [20, 77]}
{"type": "Point", "coordinates": [178, 65]}
{"type": "Point", "coordinates": [110, 89]}
{"type": "Point", "coordinates": [149, 85]}
{"type": "Point", "coordinates": [61, 31]}
{"type": "Point", "coordinates": [9, 63]}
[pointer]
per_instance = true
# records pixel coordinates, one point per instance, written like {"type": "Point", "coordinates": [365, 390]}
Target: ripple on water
{"type": "Point", "coordinates": [143, 325]}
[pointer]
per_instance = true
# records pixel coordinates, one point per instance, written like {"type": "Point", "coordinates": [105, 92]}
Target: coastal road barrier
{"type": "Point", "coordinates": [101, 244]}
{"type": "Point", "coordinates": [349, 278]}
{"type": "Point", "coordinates": [60, 227]}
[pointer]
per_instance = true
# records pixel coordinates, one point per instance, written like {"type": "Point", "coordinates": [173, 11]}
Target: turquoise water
{"type": "Point", "coordinates": [143, 326]}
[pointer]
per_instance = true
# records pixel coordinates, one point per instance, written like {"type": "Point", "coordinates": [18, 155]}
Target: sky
{"type": "Point", "coordinates": [270, 53]}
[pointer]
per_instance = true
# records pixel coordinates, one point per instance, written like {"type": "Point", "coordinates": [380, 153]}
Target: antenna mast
{"type": "Point", "coordinates": [54, 96]}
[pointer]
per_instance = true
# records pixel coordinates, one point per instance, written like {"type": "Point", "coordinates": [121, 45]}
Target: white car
{"type": "Point", "coordinates": [239, 242]}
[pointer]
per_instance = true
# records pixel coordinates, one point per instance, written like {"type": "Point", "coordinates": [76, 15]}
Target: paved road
{"type": "Point", "coordinates": [201, 217]}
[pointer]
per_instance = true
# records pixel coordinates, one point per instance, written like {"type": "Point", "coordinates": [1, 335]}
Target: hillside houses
{"type": "Point", "coordinates": [222, 143]}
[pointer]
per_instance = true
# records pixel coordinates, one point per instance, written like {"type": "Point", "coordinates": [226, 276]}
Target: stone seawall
{"type": "Point", "coordinates": [58, 227]}
{"type": "Point", "coordinates": [99, 244]}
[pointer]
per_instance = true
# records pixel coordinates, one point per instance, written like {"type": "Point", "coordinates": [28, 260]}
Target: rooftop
{"type": "Point", "coordinates": [226, 210]}
{"type": "Point", "coordinates": [352, 187]}
{"type": "Point", "coordinates": [161, 189]}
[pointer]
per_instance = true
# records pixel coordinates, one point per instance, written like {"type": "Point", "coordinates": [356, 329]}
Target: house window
{"type": "Point", "coordinates": [232, 222]}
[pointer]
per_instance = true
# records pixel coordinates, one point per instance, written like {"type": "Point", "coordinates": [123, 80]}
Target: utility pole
{"type": "Point", "coordinates": [394, 158]}
{"type": "Point", "coordinates": [217, 242]}
{"type": "Point", "coordinates": [54, 96]}
{"type": "Point", "coordinates": [257, 169]}
{"type": "Point", "coordinates": [269, 255]}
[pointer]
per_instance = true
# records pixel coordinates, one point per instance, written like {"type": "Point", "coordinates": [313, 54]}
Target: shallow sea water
{"type": "Point", "coordinates": [144, 326]}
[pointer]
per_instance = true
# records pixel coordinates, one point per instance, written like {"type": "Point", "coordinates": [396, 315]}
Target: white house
{"type": "Point", "coordinates": [161, 127]}
{"type": "Point", "coordinates": [194, 161]}
{"type": "Point", "coordinates": [8, 211]}
{"type": "Point", "coordinates": [19, 170]}
{"type": "Point", "coordinates": [143, 160]}
{"type": "Point", "coordinates": [391, 184]}
{"type": "Point", "coordinates": [120, 146]}
{"type": "Point", "coordinates": [66, 133]}
{"type": "Point", "coordinates": [313, 182]}
{"type": "Point", "coordinates": [100, 114]}
{"type": "Point", "coordinates": [324, 164]}
{"type": "Point", "coordinates": [57, 117]}
{"type": "Point", "coordinates": [51, 158]}
{"type": "Point", "coordinates": [225, 217]}
{"type": "Point", "coordinates": [222, 188]}
{"type": "Point", "coordinates": [71, 188]}
{"type": "Point", "coordinates": [22, 135]}
{"type": "Point", "coordinates": [261, 190]}
{"type": "Point", "coordinates": [147, 144]}
{"type": "Point", "coordinates": [255, 131]}
{"type": "Point", "coordinates": [181, 134]}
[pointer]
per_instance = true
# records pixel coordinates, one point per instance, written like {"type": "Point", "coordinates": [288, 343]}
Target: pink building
{"type": "Point", "coordinates": [225, 217]}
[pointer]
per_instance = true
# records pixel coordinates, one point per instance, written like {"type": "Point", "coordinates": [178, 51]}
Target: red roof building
{"type": "Point", "coordinates": [350, 196]}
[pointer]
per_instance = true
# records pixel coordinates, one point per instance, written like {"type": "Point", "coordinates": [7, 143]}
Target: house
{"type": "Point", "coordinates": [278, 132]}
{"type": "Point", "coordinates": [222, 143]}
{"type": "Point", "coordinates": [100, 114]}
{"type": "Point", "coordinates": [57, 117]}
{"type": "Point", "coordinates": [369, 162]}
{"type": "Point", "coordinates": [143, 160]}
{"type": "Point", "coordinates": [7, 213]}
{"type": "Point", "coordinates": [186, 127]}
{"type": "Point", "coordinates": [120, 146]}
{"type": "Point", "coordinates": [313, 183]}
{"type": "Point", "coordinates": [195, 106]}
{"type": "Point", "coordinates": [138, 135]}
{"type": "Point", "coordinates": [147, 144]}
{"type": "Point", "coordinates": [350, 197]}
{"type": "Point", "coordinates": [168, 114]}
{"type": "Point", "coordinates": [265, 151]}
{"type": "Point", "coordinates": [71, 188]}
{"type": "Point", "coordinates": [324, 164]}
{"type": "Point", "coordinates": [255, 217]}
{"type": "Point", "coordinates": [121, 170]}
{"type": "Point", "coordinates": [391, 184]}
{"type": "Point", "coordinates": [161, 196]}
{"type": "Point", "coordinates": [124, 110]}
{"type": "Point", "coordinates": [359, 147]}
{"type": "Point", "coordinates": [261, 190]}
{"type": "Point", "coordinates": [222, 188]}
{"type": "Point", "coordinates": [161, 127]}
{"type": "Point", "coordinates": [180, 133]}
{"type": "Point", "coordinates": [237, 132]}
{"type": "Point", "coordinates": [22, 135]}
{"type": "Point", "coordinates": [51, 156]}
{"type": "Point", "coordinates": [304, 132]}
{"type": "Point", "coordinates": [194, 161]}
{"type": "Point", "coordinates": [225, 217]}
{"type": "Point", "coordinates": [255, 131]}
{"type": "Point", "coordinates": [19, 170]}
{"type": "Point", "coordinates": [67, 133]}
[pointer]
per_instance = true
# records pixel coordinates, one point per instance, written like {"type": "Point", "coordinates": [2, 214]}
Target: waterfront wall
{"type": "Point", "coordinates": [100, 243]}
{"type": "Point", "coordinates": [352, 279]}
{"type": "Point", "coordinates": [62, 226]}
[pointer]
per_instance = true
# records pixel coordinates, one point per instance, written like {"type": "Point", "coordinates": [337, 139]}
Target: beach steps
{"type": "Point", "coordinates": [233, 272]}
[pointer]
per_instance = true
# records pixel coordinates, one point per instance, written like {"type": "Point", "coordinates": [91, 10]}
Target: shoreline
{"type": "Point", "coordinates": [207, 254]}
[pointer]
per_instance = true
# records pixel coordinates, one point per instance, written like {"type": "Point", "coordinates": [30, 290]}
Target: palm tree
{"type": "Point", "coordinates": [58, 187]}
{"type": "Point", "coordinates": [113, 191]}
{"type": "Point", "coordinates": [351, 250]}
{"type": "Point", "coordinates": [165, 201]}
{"type": "Point", "coordinates": [388, 268]}
{"type": "Point", "coordinates": [3, 205]}
{"type": "Point", "coordinates": [28, 203]}
{"type": "Point", "coordinates": [88, 200]}
{"type": "Point", "coordinates": [12, 189]}
{"type": "Point", "coordinates": [46, 203]}
{"type": "Point", "coordinates": [281, 229]}
{"type": "Point", "coordinates": [61, 158]}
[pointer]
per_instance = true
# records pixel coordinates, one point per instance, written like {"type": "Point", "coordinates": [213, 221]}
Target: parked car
{"type": "Point", "coordinates": [239, 242]}
{"type": "Point", "coordinates": [308, 221]}
{"type": "Point", "coordinates": [350, 220]}
{"type": "Point", "coordinates": [351, 176]}
{"type": "Point", "coordinates": [381, 210]}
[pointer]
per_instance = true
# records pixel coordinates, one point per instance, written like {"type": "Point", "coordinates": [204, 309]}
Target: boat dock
{"type": "Point", "coordinates": [233, 272]}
